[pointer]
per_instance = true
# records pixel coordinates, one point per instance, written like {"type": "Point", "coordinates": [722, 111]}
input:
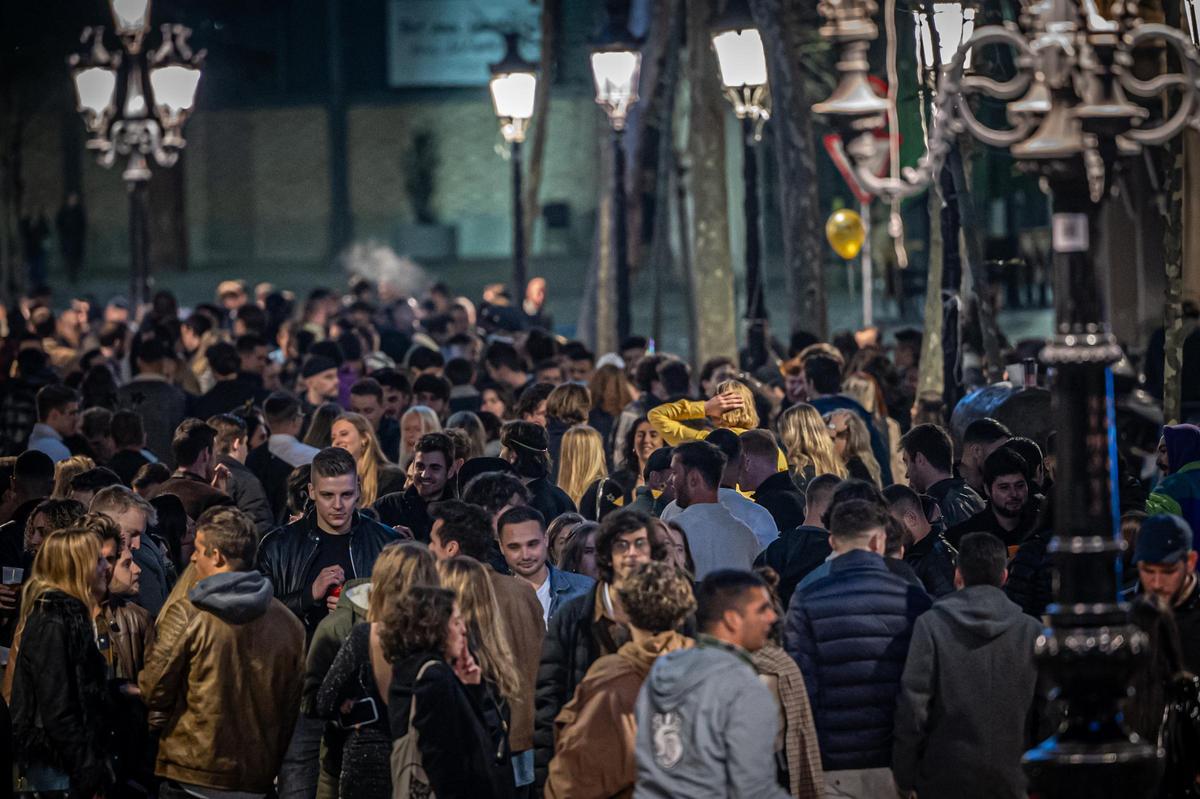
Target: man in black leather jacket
{"type": "Point", "coordinates": [926, 550]}
{"type": "Point", "coordinates": [308, 561]}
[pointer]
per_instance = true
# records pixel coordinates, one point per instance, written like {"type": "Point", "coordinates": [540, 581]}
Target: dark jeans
{"type": "Point", "coordinates": [301, 764]}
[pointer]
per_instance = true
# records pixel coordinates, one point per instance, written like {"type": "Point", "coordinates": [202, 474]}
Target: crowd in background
{"type": "Point", "coordinates": [369, 545]}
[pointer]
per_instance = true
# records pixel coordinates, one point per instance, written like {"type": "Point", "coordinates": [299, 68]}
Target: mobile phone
{"type": "Point", "coordinates": [363, 712]}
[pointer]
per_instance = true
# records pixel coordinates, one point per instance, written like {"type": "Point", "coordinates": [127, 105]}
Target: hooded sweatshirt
{"type": "Point", "coordinates": [1179, 491]}
{"type": "Point", "coordinates": [595, 733]}
{"type": "Point", "coordinates": [706, 727]}
{"type": "Point", "coordinates": [235, 597]}
{"type": "Point", "coordinates": [965, 699]}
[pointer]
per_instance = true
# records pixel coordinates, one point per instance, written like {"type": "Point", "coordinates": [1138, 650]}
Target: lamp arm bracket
{"type": "Point", "coordinates": [951, 116]}
{"type": "Point", "coordinates": [1187, 81]}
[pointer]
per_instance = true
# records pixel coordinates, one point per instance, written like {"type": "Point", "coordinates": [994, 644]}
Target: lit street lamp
{"type": "Point", "coordinates": [743, 65]}
{"type": "Point", "coordinates": [1070, 119]}
{"type": "Point", "coordinates": [616, 66]}
{"type": "Point", "coordinates": [135, 103]}
{"type": "Point", "coordinates": [513, 86]}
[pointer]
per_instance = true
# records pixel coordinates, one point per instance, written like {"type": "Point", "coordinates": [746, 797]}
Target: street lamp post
{"type": "Point", "coordinates": [513, 86]}
{"type": "Point", "coordinates": [616, 66]}
{"type": "Point", "coordinates": [743, 65]}
{"type": "Point", "coordinates": [135, 102]}
{"type": "Point", "coordinates": [1069, 119]}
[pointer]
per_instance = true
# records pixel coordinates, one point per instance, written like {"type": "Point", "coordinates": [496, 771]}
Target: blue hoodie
{"type": "Point", "coordinates": [1179, 491]}
{"type": "Point", "coordinates": [706, 727]}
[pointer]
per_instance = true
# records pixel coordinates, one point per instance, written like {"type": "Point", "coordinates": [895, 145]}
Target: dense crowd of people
{"type": "Point", "coordinates": [370, 546]}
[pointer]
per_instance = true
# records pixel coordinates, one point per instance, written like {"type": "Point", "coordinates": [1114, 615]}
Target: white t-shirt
{"type": "Point", "coordinates": [543, 595]}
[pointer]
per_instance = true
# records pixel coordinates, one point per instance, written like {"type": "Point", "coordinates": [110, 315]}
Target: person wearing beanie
{"type": "Point", "coordinates": [319, 375]}
{"type": "Point", "coordinates": [526, 446]}
{"type": "Point", "coordinates": [1179, 458]}
{"type": "Point", "coordinates": [1166, 562]}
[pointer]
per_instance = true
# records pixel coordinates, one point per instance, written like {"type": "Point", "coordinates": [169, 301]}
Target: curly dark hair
{"type": "Point", "coordinates": [620, 523]}
{"type": "Point", "coordinates": [657, 597]}
{"type": "Point", "coordinates": [416, 621]}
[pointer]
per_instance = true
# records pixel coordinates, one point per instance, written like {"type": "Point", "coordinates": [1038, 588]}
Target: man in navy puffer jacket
{"type": "Point", "coordinates": [849, 632]}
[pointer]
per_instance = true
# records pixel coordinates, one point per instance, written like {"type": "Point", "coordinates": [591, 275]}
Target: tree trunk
{"type": "Point", "coordinates": [930, 370]}
{"type": "Point", "coordinates": [551, 23]}
{"type": "Point", "coordinates": [970, 226]}
{"type": "Point", "coordinates": [598, 316]}
{"type": "Point", "coordinates": [712, 274]}
{"type": "Point", "coordinates": [1173, 328]}
{"type": "Point", "coordinates": [781, 24]}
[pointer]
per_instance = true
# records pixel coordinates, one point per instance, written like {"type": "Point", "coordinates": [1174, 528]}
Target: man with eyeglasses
{"type": "Point", "coordinates": [590, 625]}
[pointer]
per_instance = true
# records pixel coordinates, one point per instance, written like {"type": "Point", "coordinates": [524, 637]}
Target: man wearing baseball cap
{"type": "Point", "coordinates": [1166, 564]}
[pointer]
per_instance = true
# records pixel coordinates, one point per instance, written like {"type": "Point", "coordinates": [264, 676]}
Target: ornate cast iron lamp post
{"type": "Point", "coordinates": [135, 102]}
{"type": "Point", "coordinates": [1070, 121]}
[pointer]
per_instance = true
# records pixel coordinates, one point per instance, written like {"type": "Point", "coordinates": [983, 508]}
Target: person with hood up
{"type": "Point", "coordinates": [595, 733]}
{"type": "Point", "coordinates": [1179, 458]}
{"type": "Point", "coordinates": [706, 724]}
{"type": "Point", "coordinates": [968, 687]}
{"type": "Point", "coordinates": [226, 671]}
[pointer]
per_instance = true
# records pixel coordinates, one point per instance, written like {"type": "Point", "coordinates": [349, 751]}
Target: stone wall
{"type": "Point", "coordinates": [257, 180]}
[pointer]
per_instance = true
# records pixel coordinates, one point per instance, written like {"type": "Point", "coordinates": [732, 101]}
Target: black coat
{"type": "Point", "coordinates": [957, 500]}
{"type": "Point", "coordinates": [126, 464]}
{"type": "Point", "coordinates": [287, 553]}
{"type": "Point", "coordinates": [408, 509]}
{"type": "Point", "coordinates": [60, 695]}
{"type": "Point", "coordinates": [228, 395]}
{"type": "Point", "coordinates": [985, 522]}
{"type": "Point", "coordinates": [568, 650]}
{"type": "Point", "coordinates": [550, 500]}
{"type": "Point", "coordinates": [461, 729]}
{"type": "Point", "coordinates": [1030, 577]}
{"type": "Point", "coordinates": [934, 561]}
{"type": "Point", "coordinates": [272, 472]}
{"type": "Point", "coordinates": [779, 495]}
{"type": "Point", "coordinates": [793, 555]}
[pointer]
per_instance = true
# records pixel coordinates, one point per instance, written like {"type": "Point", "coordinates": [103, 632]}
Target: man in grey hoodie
{"type": "Point", "coordinates": [226, 670]}
{"type": "Point", "coordinates": [706, 725]}
{"type": "Point", "coordinates": [968, 688]}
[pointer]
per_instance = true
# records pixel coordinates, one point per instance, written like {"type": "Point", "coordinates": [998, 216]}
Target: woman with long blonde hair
{"type": "Point", "coordinates": [376, 476]}
{"type": "Point", "coordinates": [806, 442]}
{"type": "Point", "coordinates": [60, 682]}
{"type": "Point", "coordinates": [487, 630]}
{"type": "Point", "coordinates": [65, 472]}
{"type": "Point", "coordinates": [581, 461]}
{"type": "Point", "coordinates": [852, 443]}
{"type": "Point", "coordinates": [610, 390]}
{"type": "Point", "coordinates": [361, 671]}
{"type": "Point", "coordinates": [864, 388]}
{"type": "Point", "coordinates": [416, 422]}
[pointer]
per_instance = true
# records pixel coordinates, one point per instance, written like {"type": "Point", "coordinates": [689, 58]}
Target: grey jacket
{"type": "Point", "coordinates": [706, 727]}
{"type": "Point", "coordinates": [965, 699]}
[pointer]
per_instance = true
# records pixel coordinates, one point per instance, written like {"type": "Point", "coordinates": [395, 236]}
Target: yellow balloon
{"type": "Point", "coordinates": [845, 232]}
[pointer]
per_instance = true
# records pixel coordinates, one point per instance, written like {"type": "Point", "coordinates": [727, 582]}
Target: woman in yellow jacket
{"type": "Point", "coordinates": [732, 407]}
